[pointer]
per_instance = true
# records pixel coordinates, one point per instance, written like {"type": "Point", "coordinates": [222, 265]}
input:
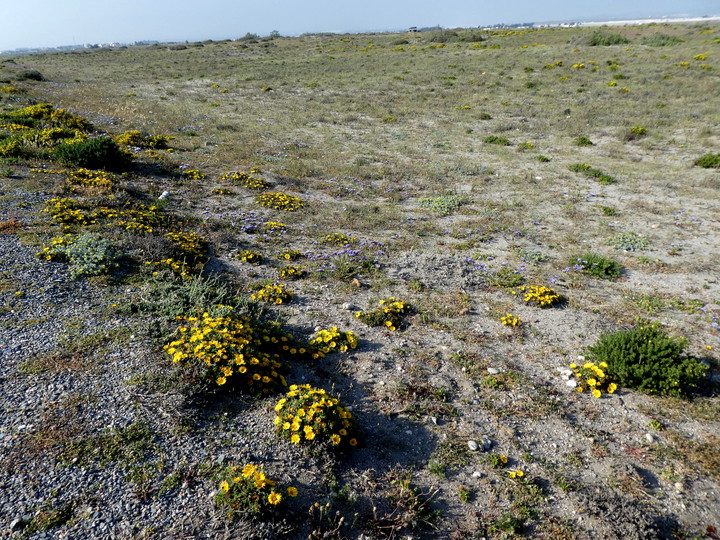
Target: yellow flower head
{"type": "Point", "coordinates": [274, 497]}
{"type": "Point", "coordinates": [292, 491]}
{"type": "Point", "coordinates": [335, 439]}
{"type": "Point", "coordinates": [224, 486]}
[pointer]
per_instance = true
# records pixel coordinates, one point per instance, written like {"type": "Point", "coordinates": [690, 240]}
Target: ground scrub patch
{"type": "Point", "coordinates": [98, 153]}
{"type": "Point", "coordinates": [596, 265]}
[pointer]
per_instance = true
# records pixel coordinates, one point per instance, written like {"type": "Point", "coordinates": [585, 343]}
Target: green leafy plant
{"type": "Point", "coordinates": [605, 39]}
{"type": "Point", "coordinates": [583, 140]}
{"type": "Point", "coordinates": [443, 204]}
{"type": "Point", "coordinates": [88, 254]}
{"type": "Point", "coordinates": [648, 360]}
{"type": "Point", "coordinates": [597, 265]}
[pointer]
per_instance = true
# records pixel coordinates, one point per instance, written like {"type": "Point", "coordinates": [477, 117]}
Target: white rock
{"type": "Point", "coordinates": [493, 371]}
{"type": "Point", "coordinates": [572, 383]}
{"type": "Point", "coordinates": [649, 437]}
{"type": "Point", "coordinates": [477, 474]}
{"type": "Point", "coordinates": [163, 195]}
{"type": "Point", "coordinates": [472, 445]}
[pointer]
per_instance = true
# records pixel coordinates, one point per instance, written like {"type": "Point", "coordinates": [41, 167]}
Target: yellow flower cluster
{"type": "Point", "coordinates": [226, 348]}
{"type": "Point", "coordinates": [310, 414]}
{"type": "Point", "coordinates": [274, 226]}
{"type": "Point", "coordinates": [190, 243]}
{"type": "Point", "coordinates": [135, 138]}
{"type": "Point", "coordinates": [246, 180]}
{"type": "Point", "coordinates": [180, 268]}
{"type": "Point", "coordinates": [510, 320]}
{"type": "Point", "coordinates": [54, 251]}
{"type": "Point", "coordinates": [273, 294]}
{"type": "Point", "coordinates": [593, 377]}
{"type": "Point", "coordinates": [137, 218]}
{"type": "Point", "coordinates": [329, 340]}
{"type": "Point", "coordinates": [251, 257]}
{"type": "Point", "coordinates": [193, 174]}
{"type": "Point", "coordinates": [388, 314]}
{"type": "Point", "coordinates": [292, 272]}
{"type": "Point", "coordinates": [99, 182]}
{"type": "Point", "coordinates": [222, 191]}
{"type": "Point", "coordinates": [517, 474]}
{"type": "Point", "coordinates": [539, 295]}
{"type": "Point", "coordinates": [290, 254]}
{"type": "Point", "coordinates": [339, 239]}
{"type": "Point", "coordinates": [579, 66]}
{"type": "Point", "coordinates": [248, 492]}
{"type": "Point", "coordinates": [280, 201]}
{"type": "Point", "coordinates": [66, 212]}
{"type": "Point", "coordinates": [13, 127]}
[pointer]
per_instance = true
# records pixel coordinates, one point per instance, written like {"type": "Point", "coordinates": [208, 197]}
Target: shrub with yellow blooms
{"type": "Point", "coordinates": [251, 257]}
{"type": "Point", "coordinates": [539, 295]}
{"type": "Point", "coordinates": [309, 415]}
{"type": "Point", "coordinates": [228, 351]}
{"type": "Point", "coordinates": [511, 320]}
{"type": "Point", "coordinates": [280, 201]}
{"type": "Point", "coordinates": [246, 492]}
{"type": "Point", "coordinates": [329, 340]}
{"type": "Point", "coordinates": [273, 294]}
{"type": "Point", "coordinates": [593, 378]}
{"type": "Point", "coordinates": [245, 180]}
{"type": "Point", "coordinates": [389, 314]}
{"type": "Point", "coordinates": [292, 272]}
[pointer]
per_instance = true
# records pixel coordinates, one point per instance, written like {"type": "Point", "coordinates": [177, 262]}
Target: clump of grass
{"type": "Point", "coordinates": [542, 158]}
{"type": "Point", "coordinates": [708, 161]}
{"type": "Point", "coordinates": [597, 265]}
{"type": "Point", "coordinates": [648, 360]}
{"type": "Point", "coordinates": [660, 40]}
{"type": "Point", "coordinates": [604, 39]}
{"type": "Point", "coordinates": [444, 204]}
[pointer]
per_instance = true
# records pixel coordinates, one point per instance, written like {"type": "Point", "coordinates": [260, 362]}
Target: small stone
{"type": "Point", "coordinates": [163, 195]}
{"type": "Point", "coordinates": [572, 383]}
{"type": "Point", "coordinates": [348, 306]}
{"type": "Point", "coordinates": [472, 445]}
{"type": "Point", "coordinates": [493, 371]}
{"type": "Point", "coordinates": [649, 437]}
{"type": "Point", "coordinates": [679, 487]}
{"type": "Point", "coordinates": [433, 419]}
{"type": "Point", "coordinates": [487, 443]}
{"type": "Point", "coordinates": [477, 474]}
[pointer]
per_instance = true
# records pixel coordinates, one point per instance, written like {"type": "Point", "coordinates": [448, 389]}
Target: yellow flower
{"type": "Point", "coordinates": [512, 474]}
{"type": "Point", "coordinates": [221, 381]}
{"type": "Point", "coordinates": [292, 491]}
{"type": "Point", "coordinates": [520, 474]}
{"type": "Point", "coordinates": [274, 497]}
{"type": "Point", "coordinates": [611, 388]}
{"type": "Point", "coordinates": [353, 442]}
{"type": "Point", "coordinates": [310, 435]}
{"type": "Point", "coordinates": [295, 438]}
{"type": "Point", "coordinates": [248, 470]}
{"type": "Point", "coordinates": [503, 459]}
{"type": "Point", "coordinates": [335, 439]}
{"type": "Point", "coordinates": [591, 381]}
{"type": "Point", "coordinates": [225, 486]}
{"type": "Point", "coordinates": [597, 393]}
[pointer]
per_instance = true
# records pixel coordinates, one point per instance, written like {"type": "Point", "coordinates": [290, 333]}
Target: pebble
{"type": "Point", "coordinates": [649, 437]}
{"type": "Point", "coordinates": [472, 445]}
{"type": "Point", "coordinates": [571, 383]}
{"type": "Point", "coordinates": [493, 371]}
{"type": "Point", "coordinates": [348, 306]}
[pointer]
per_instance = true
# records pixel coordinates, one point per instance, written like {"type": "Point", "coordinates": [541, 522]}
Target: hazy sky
{"type": "Point", "coordinates": [42, 23]}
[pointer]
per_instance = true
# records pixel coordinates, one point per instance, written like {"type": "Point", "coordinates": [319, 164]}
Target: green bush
{"type": "Point", "coordinates": [708, 161]}
{"type": "Point", "coordinates": [444, 204]}
{"type": "Point", "coordinates": [98, 153]}
{"type": "Point", "coordinates": [88, 255]}
{"type": "Point", "coordinates": [598, 38]}
{"type": "Point", "coordinates": [660, 40]}
{"type": "Point", "coordinates": [648, 360]}
{"type": "Point", "coordinates": [582, 140]}
{"type": "Point", "coordinates": [597, 265]}
{"type": "Point", "coordinates": [494, 139]}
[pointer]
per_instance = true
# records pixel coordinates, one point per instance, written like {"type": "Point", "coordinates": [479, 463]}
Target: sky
{"type": "Point", "coordinates": [52, 23]}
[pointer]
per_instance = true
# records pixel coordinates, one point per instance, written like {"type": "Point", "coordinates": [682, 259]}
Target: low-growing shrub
{"type": "Point", "coordinates": [98, 153]}
{"type": "Point", "coordinates": [292, 272]}
{"type": "Point", "coordinates": [593, 377]}
{"type": "Point", "coordinates": [539, 295]}
{"type": "Point", "coordinates": [604, 39]}
{"type": "Point", "coordinates": [309, 415]}
{"type": "Point", "coordinates": [583, 140]}
{"type": "Point", "coordinates": [494, 139]}
{"type": "Point", "coordinates": [648, 360]}
{"type": "Point", "coordinates": [597, 265]}
{"type": "Point", "coordinates": [88, 255]}
{"type": "Point", "coordinates": [634, 133]}
{"type": "Point", "coordinates": [628, 242]}
{"type": "Point", "coordinates": [443, 204]}
{"type": "Point", "coordinates": [251, 257]}
{"type": "Point", "coordinates": [708, 161]}
{"type": "Point", "coordinates": [280, 201]}
{"type": "Point", "coordinates": [660, 40]}
{"type": "Point", "coordinates": [273, 294]}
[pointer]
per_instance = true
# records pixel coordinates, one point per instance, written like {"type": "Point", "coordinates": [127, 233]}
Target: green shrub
{"type": "Point", "coordinates": [582, 140]}
{"type": "Point", "coordinates": [30, 75]}
{"type": "Point", "coordinates": [648, 360]}
{"type": "Point", "coordinates": [708, 161]}
{"type": "Point", "coordinates": [444, 204]}
{"type": "Point", "coordinates": [597, 265]}
{"type": "Point", "coordinates": [494, 139]}
{"type": "Point", "coordinates": [88, 255]}
{"type": "Point", "coordinates": [598, 38]}
{"type": "Point", "coordinates": [98, 153]}
{"type": "Point", "coordinates": [660, 40]}
{"type": "Point", "coordinates": [635, 132]}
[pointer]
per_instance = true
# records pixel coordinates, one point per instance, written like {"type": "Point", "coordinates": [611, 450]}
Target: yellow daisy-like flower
{"type": "Point", "coordinates": [611, 388]}
{"type": "Point", "coordinates": [353, 442]}
{"type": "Point", "coordinates": [225, 486]}
{"type": "Point", "coordinates": [504, 459]}
{"type": "Point", "coordinates": [248, 470]}
{"type": "Point", "coordinates": [310, 435]}
{"type": "Point", "coordinates": [295, 438]}
{"type": "Point", "coordinates": [335, 439]}
{"type": "Point", "coordinates": [292, 491]}
{"type": "Point", "coordinates": [274, 497]}
{"type": "Point", "coordinates": [520, 473]}
{"type": "Point", "coordinates": [597, 393]}
{"type": "Point", "coordinates": [591, 381]}
{"type": "Point", "coordinates": [221, 381]}
{"type": "Point", "coordinates": [512, 474]}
